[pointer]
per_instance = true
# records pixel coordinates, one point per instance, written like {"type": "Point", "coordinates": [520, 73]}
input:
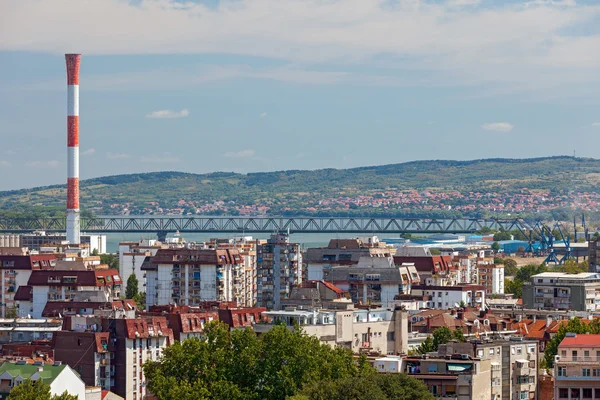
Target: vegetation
{"type": "Point", "coordinates": [110, 259]}
{"type": "Point", "coordinates": [574, 325]}
{"type": "Point", "coordinates": [286, 192]}
{"type": "Point", "coordinates": [280, 364]}
{"type": "Point", "coordinates": [36, 390]}
{"type": "Point", "coordinates": [132, 287]}
{"type": "Point", "coordinates": [510, 267]}
{"type": "Point", "coordinates": [524, 274]}
{"type": "Point", "coordinates": [440, 336]}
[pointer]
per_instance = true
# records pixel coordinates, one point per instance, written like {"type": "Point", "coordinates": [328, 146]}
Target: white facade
{"type": "Point", "coordinates": [443, 298]}
{"type": "Point", "coordinates": [71, 382]}
{"type": "Point", "coordinates": [389, 364]}
{"type": "Point", "coordinates": [131, 258]}
{"type": "Point", "coordinates": [137, 352]}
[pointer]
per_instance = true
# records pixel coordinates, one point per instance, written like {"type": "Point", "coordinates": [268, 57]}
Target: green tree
{"type": "Point", "coordinates": [439, 336]}
{"type": "Point", "coordinates": [239, 365]}
{"type": "Point", "coordinates": [575, 325]}
{"type": "Point", "coordinates": [110, 259]}
{"type": "Point", "coordinates": [132, 287]}
{"type": "Point", "coordinates": [95, 252]}
{"type": "Point", "coordinates": [514, 287]}
{"type": "Point", "coordinates": [435, 252]}
{"type": "Point", "coordinates": [495, 247]}
{"type": "Point", "coordinates": [36, 390]}
{"type": "Point", "coordinates": [140, 300]}
{"type": "Point", "coordinates": [426, 346]}
{"type": "Point", "coordinates": [369, 387]}
{"type": "Point", "coordinates": [510, 267]}
{"type": "Point", "coordinates": [458, 334]}
{"type": "Point", "coordinates": [502, 236]}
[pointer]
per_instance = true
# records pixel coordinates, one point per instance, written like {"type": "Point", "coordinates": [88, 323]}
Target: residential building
{"type": "Point", "coordinates": [375, 280]}
{"type": "Point", "coordinates": [562, 291]}
{"type": "Point", "coordinates": [447, 297]}
{"type": "Point", "coordinates": [433, 270]}
{"type": "Point", "coordinates": [88, 354]}
{"type": "Point", "coordinates": [594, 255]}
{"type": "Point", "coordinates": [242, 317]}
{"type": "Point", "coordinates": [244, 274]}
{"type": "Point", "coordinates": [377, 330]}
{"type": "Point", "coordinates": [132, 256]}
{"type": "Point", "coordinates": [190, 325]}
{"type": "Point", "coordinates": [577, 367]}
{"type": "Point", "coordinates": [38, 239]}
{"type": "Point", "coordinates": [278, 270]}
{"type": "Point", "coordinates": [189, 276]}
{"type": "Point", "coordinates": [318, 261]}
{"type": "Point", "coordinates": [459, 376]}
{"type": "Point", "coordinates": [15, 271]}
{"type": "Point", "coordinates": [28, 329]}
{"type": "Point", "coordinates": [60, 377]}
{"type": "Point", "coordinates": [316, 294]}
{"type": "Point", "coordinates": [110, 351]}
{"type": "Point", "coordinates": [491, 277]}
{"type": "Point", "coordinates": [48, 286]}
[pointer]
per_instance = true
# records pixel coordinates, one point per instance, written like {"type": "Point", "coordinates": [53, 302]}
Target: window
{"type": "Point", "coordinates": [519, 350]}
{"type": "Point", "coordinates": [574, 355]}
{"type": "Point", "coordinates": [586, 372]}
{"type": "Point", "coordinates": [586, 354]}
{"type": "Point", "coordinates": [134, 343]}
{"type": "Point", "coordinates": [587, 393]}
{"type": "Point", "coordinates": [563, 393]}
{"type": "Point", "coordinates": [562, 371]}
{"type": "Point", "coordinates": [596, 372]}
{"type": "Point", "coordinates": [491, 351]}
{"type": "Point", "coordinates": [563, 353]}
{"type": "Point", "coordinates": [391, 336]}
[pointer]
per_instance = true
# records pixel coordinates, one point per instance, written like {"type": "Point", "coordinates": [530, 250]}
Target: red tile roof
{"type": "Point", "coordinates": [334, 288]}
{"type": "Point", "coordinates": [197, 257]}
{"type": "Point", "coordinates": [581, 340]}
{"type": "Point", "coordinates": [99, 277]}
{"type": "Point", "coordinates": [25, 262]}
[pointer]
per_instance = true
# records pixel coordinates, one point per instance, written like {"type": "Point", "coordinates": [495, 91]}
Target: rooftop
{"type": "Point", "coordinates": [584, 340]}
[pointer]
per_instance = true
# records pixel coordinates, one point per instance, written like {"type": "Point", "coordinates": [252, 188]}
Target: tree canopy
{"type": "Point", "coordinates": [439, 336]}
{"type": "Point", "coordinates": [132, 287]}
{"type": "Point", "coordinates": [110, 259]}
{"type": "Point", "coordinates": [510, 267]}
{"type": "Point", "coordinates": [238, 365]}
{"type": "Point", "coordinates": [522, 275]}
{"type": "Point", "coordinates": [36, 390]}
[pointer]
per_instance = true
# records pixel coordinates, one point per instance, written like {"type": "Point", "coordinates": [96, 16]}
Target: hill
{"type": "Point", "coordinates": [374, 189]}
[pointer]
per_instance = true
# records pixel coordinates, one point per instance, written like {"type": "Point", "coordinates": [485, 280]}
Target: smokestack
{"type": "Point", "coordinates": [73, 61]}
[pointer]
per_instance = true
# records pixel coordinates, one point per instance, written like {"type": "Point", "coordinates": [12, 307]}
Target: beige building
{"type": "Point", "coordinates": [459, 376]}
{"type": "Point", "coordinates": [577, 367]}
{"type": "Point", "coordinates": [363, 330]}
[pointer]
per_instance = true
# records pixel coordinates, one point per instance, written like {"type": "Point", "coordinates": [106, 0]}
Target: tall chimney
{"type": "Point", "coordinates": [73, 61]}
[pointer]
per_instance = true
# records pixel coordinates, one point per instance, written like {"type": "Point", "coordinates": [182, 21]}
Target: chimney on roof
{"type": "Point", "coordinates": [460, 314]}
{"type": "Point", "coordinates": [428, 323]}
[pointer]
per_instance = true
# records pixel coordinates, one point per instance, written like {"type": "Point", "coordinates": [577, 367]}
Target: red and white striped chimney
{"type": "Point", "coordinates": [73, 61]}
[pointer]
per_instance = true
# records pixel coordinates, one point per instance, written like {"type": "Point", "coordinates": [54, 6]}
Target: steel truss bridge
{"type": "Point", "coordinates": [163, 225]}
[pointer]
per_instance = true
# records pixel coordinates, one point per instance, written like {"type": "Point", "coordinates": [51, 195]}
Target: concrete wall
{"type": "Point", "coordinates": [69, 381]}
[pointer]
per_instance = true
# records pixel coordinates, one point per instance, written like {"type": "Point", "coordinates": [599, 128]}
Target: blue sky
{"type": "Point", "coordinates": [262, 85]}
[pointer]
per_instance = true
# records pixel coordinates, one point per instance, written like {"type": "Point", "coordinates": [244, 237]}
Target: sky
{"type": "Point", "coordinates": [264, 85]}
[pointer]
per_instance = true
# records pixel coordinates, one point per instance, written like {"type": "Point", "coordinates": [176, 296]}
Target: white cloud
{"type": "Point", "coordinates": [5, 164]}
{"type": "Point", "coordinates": [117, 156]}
{"type": "Point", "coordinates": [263, 115]}
{"type": "Point", "coordinates": [520, 45]}
{"type": "Point", "coordinates": [596, 124]}
{"type": "Point", "coordinates": [168, 114]}
{"type": "Point", "coordinates": [43, 164]}
{"type": "Point", "coordinates": [240, 154]}
{"type": "Point", "coordinates": [498, 127]}
{"type": "Point", "coordinates": [165, 158]}
{"type": "Point", "coordinates": [89, 152]}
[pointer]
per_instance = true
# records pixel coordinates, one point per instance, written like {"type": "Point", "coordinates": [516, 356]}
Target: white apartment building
{"type": "Point", "coordinates": [132, 256]}
{"type": "Point", "coordinates": [190, 276]}
{"type": "Point", "coordinates": [446, 297]}
{"type": "Point", "coordinates": [46, 286]}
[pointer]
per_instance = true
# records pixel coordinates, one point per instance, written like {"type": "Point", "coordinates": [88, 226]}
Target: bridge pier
{"type": "Point", "coordinates": [161, 235]}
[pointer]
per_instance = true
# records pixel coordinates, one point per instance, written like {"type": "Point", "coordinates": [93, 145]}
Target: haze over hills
{"type": "Point", "coordinates": [323, 191]}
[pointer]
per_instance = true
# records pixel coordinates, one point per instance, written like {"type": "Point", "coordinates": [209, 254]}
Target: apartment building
{"type": "Point", "coordinates": [594, 255]}
{"type": "Point", "coordinates": [189, 276]}
{"type": "Point", "coordinates": [132, 256]}
{"type": "Point", "coordinates": [15, 271]}
{"type": "Point", "coordinates": [376, 330]}
{"type": "Point", "coordinates": [433, 270]}
{"type": "Point", "coordinates": [491, 277]}
{"type": "Point", "coordinates": [375, 280]}
{"type": "Point", "coordinates": [318, 261]}
{"type": "Point", "coordinates": [561, 291]}
{"type": "Point", "coordinates": [577, 367]}
{"type": "Point", "coordinates": [190, 325]}
{"type": "Point", "coordinates": [447, 297]}
{"type": "Point", "coordinates": [279, 268]}
{"type": "Point", "coordinates": [38, 239]}
{"type": "Point", "coordinates": [244, 287]}
{"type": "Point", "coordinates": [59, 377]}
{"type": "Point", "coordinates": [109, 352]}
{"type": "Point", "coordinates": [46, 286]}
{"type": "Point", "coordinates": [28, 329]}
{"type": "Point", "coordinates": [458, 376]}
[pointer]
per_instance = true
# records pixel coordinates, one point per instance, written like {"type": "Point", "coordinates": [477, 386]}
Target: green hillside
{"type": "Point", "coordinates": [283, 191]}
